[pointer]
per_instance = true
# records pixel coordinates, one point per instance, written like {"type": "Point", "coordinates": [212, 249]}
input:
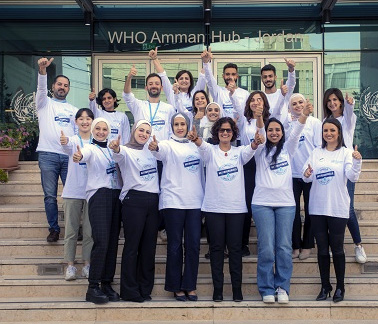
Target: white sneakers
{"type": "Point", "coordinates": [360, 254]}
{"type": "Point", "coordinates": [70, 273]}
{"type": "Point", "coordinates": [85, 271]}
{"type": "Point", "coordinates": [282, 297]}
{"type": "Point", "coordinates": [269, 299]}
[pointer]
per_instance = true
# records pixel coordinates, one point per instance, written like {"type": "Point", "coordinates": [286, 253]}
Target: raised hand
{"type": "Point", "coordinates": [44, 63]}
{"type": "Point", "coordinates": [192, 135]}
{"type": "Point", "coordinates": [153, 54]}
{"type": "Point", "coordinates": [284, 88]}
{"type": "Point", "coordinates": [231, 87]}
{"type": "Point", "coordinates": [153, 146]}
{"type": "Point", "coordinates": [356, 155]}
{"type": "Point", "coordinates": [176, 87]}
{"type": "Point", "coordinates": [133, 72]}
{"type": "Point", "coordinates": [308, 171]}
{"type": "Point", "coordinates": [290, 64]}
{"type": "Point", "coordinates": [308, 109]}
{"type": "Point", "coordinates": [114, 144]}
{"type": "Point", "coordinates": [77, 155]}
{"type": "Point", "coordinates": [92, 95]}
{"type": "Point", "coordinates": [63, 138]}
{"type": "Point", "coordinates": [348, 99]}
{"type": "Point", "coordinates": [206, 56]}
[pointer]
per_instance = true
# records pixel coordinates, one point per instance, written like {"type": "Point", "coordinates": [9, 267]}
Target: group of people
{"type": "Point", "coordinates": [190, 159]}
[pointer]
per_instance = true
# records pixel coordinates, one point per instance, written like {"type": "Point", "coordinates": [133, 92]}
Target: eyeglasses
{"type": "Point", "coordinates": [227, 130]}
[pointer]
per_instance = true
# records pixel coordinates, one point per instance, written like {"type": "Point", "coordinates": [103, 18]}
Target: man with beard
{"type": "Point", "coordinates": [55, 115]}
{"type": "Point", "coordinates": [274, 95]}
{"type": "Point", "coordinates": [221, 95]}
{"type": "Point", "coordinates": [158, 113]}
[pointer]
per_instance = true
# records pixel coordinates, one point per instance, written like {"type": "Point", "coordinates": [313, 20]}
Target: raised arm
{"type": "Point", "coordinates": [291, 78]}
{"type": "Point", "coordinates": [293, 140]}
{"type": "Point", "coordinates": [154, 58]}
{"type": "Point", "coordinates": [211, 82]}
{"type": "Point", "coordinates": [133, 72]}
{"type": "Point", "coordinates": [350, 117]}
{"type": "Point", "coordinates": [353, 165]}
{"type": "Point", "coordinates": [92, 103]}
{"type": "Point", "coordinates": [41, 96]}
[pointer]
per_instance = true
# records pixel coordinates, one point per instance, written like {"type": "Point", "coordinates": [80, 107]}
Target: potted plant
{"type": "Point", "coordinates": [13, 139]}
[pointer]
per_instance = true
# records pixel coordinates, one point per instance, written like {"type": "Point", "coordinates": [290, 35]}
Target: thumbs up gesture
{"type": "Point", "coordinates": [44, 63]}
{"type": "Point", "coordinates": [290, 64]}
{"type": "Point", "coordinates": [133, 71]}
{"type": "Point", "coordinates": [192, 135]}
{"type": "Point", "coordinates": [114, 144]}
{"type": "Point", "coordinates": [92, 95]}
{"type": "Point", "coordinates": [308, 109]}
{"type": "Point", "coordinates": [176, 87]}
{"type": "Point", "coordinates": [77, 155]}
{"type": "Point", "coordinates": [348, 99]}
{"type": "Point", "coordinates": [63, 138]}
{"type": "Point", "coordinates": [231, 87]}
{"type": "Point", "coordinates": [153, 146]}
{"type": "Point", "coordinates": [259, 139]}
{"type": "Point", "coordinates": [308, 171]}
{"type": "Point", "coordinates": [356, 155]}
{"type": "Point", "coordinates": [153, 54]}
{"type": "Point", "coordinates": [284, 88]}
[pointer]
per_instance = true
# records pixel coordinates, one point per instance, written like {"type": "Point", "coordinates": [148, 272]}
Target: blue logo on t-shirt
{"type": "Point", "coordinates": [148, 173]}
{"type": "Point", "coordinates": [325, 175]}
{"type": "Point", "coordinates": [158, 125]}
{"type": "Point", "coordinates": [62, 120]}
{"type": "Point", "coordinates": [191, 163]}
{"type": "Point", "coordinates": [280, 167]}
{"type": "Point", "coordinates": [228, 109]}
{"type": "Point", "coordinates": [189, 108]}
{"type": "Point", "coordinates": [227, 172]}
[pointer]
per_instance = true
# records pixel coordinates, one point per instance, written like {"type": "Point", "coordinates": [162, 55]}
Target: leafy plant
{"type": "Point", "coordinates": [3, 176]}
{"type": "Point", "coordinates": [14, 136]}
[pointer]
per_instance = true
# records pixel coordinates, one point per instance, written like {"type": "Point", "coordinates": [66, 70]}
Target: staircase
{"type": "Point", "coordinates": [33, 289]}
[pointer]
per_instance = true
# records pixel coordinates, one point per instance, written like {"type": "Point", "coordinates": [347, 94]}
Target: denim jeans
{"type": "Point", "coordinates": [274, 231]}
{"type": "Point", "coordinates": [181, 275]}
{"type": "Point", "coordinates": [352, 224]}
{"type": "Point", "coordinates": [52, 166]}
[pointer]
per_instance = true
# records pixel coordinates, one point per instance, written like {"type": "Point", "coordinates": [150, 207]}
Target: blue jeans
{"type": "Point", "coordinates": [52, 166]}
{"type": "Point", "coordinates": [179, 223]}
{"type": "Point", "coordinates": [274, 231]}
{"type": "Point", "coordinates": [352, 224]}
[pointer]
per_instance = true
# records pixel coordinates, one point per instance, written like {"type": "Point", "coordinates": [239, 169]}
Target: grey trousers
{"type": "Point", "coordinates": [74, 210]}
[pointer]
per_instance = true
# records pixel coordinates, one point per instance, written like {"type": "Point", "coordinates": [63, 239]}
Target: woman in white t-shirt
{"type": "Point", "coordinates": [342, 109]}
{"type": "Point", "coordinates": [329, 167]}
{"type": "Point", "coordinates": [74, 204]}
{"type": "Point", "coordinates": [310, 138]}
{"type": "Point", "coordinates": [273, 209]}
{"type": "Point", "coordinates": [180, 200]}
{"type": "Point", "coordinates": [104, 207]}
{"type": "Point", "coordinates": [140, 215]}
{"type": "Point", "coordinates": [224, 202]}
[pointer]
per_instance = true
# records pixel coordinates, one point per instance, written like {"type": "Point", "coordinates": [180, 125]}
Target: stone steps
{"type": "Point", "coordinates": [56, 286]}
{"type": "Point", "coordinates": [36, 247]}
{"type": "Point", "coordinates": [42, 266]}
{"type": "Point", "coordinates": [204, 311]}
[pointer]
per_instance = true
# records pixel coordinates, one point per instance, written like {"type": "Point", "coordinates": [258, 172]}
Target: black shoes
{"type": "Point", "coordinates": [245, 251]}
{"type": "Point", "coordinates": [324, 294]}
{"type": "Point", "coordinates": [138, 299]}
{"type": "Point", "coordinates": [339, 295]}
{"type": "Point", "coordinates": [110, 293]}
{"type": "Point", "coordinates": [237, 295]}
{"type": "Point", "coordinates": [180, 297]}
{"type": "Point", "coordinates": [53, 237]}
{"type": "Point", "coordinates": [191, 297]}
{"type": "Point", "coordinates": [95, 295]}
{"type": "Point", "coordinates": [218, 295]}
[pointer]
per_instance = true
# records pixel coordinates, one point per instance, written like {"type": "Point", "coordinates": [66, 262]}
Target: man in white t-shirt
{"type": "Point", "coordinates": [269, 78]}
{"type": "Point", "coordinates": [54, 116]}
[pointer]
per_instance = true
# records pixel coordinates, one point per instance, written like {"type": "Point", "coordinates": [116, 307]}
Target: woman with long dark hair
{"type": "Point", "coordinates": [273, 208]}
{"type": "Point", "coordinates": [342, 109]}
{"type": "Point", "coordinates": [329, 168]}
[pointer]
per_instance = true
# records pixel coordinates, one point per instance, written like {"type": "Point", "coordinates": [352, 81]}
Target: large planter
{"type": "Point", "coordinates": [9, 158]}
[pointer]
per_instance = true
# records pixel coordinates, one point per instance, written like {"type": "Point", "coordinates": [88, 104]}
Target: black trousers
{"type": "Point", "coordinates": [225, 230]}
{"type": "Point", "coordinates": [249, 184]}
{"type": "Point", "coordinates": [140, 217]}
{"type": "Point", "coordinates": [329, 232]}
{"type": "Point", "coordinates": [104, 209]}
{"type": "Point", "coordinates": [307, 242]}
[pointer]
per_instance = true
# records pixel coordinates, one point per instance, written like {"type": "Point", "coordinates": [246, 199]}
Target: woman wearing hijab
{"type": "Point", "coordinates": [181, 199]}
{"type": "Point", "coordinates": [102, 193]}
{"type": "Point", "coordinates": [140, 216]}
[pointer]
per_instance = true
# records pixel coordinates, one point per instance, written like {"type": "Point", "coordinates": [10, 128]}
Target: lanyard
{"type": "Point", "coordinates": [153, 117]}
{"type": "Point", "coordinates": [81, 140]}
{"type": "Point", "coordinates": [110, 160]}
